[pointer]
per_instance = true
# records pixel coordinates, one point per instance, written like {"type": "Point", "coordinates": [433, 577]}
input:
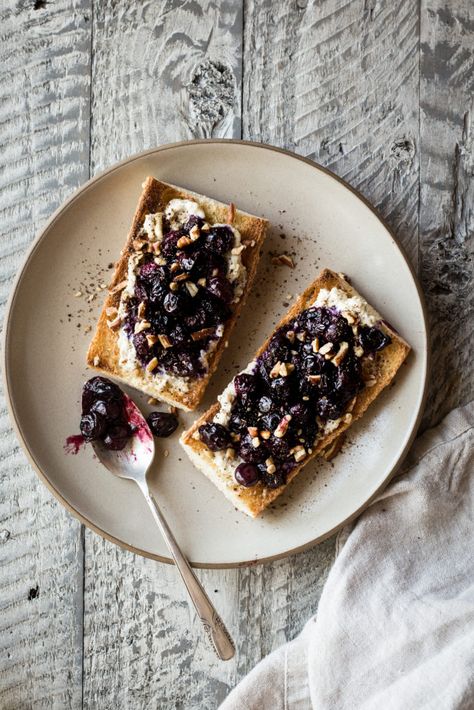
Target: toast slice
{"type": "Point", "coordinates": [329, 290]}
{"type": "Point", "coordinates": [112, 350]}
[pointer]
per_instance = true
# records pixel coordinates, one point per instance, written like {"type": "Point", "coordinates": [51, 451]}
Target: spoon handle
{"type": "Point", "coordinates": [212, 622]}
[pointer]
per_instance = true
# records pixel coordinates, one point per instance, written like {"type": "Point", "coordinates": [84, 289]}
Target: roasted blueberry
{"type": "Point", "coordinates": [221, 288]}
{"type": "Point", "coordinates": [117, 437]}
{"type": "Point", "coordinates": [220, 239]}
{"type": "Point", "coordinates": [162, 423]}
{"type": "Point", "coordinates": [272, 480]}
{"type": "Point", "coordinates": [99, 388]}
{"type": "Point", "coordinates": [149, 271]}
{"type": "Point", "coordinates": [329, 409]}
{"type": "Point", "coordinates": [246, 474]}
{"type": "Point", "coordinates": [265, 404]}
{"type": "Point", "coordinates": [157, 292]}
{"type": "Point", "coordinates": [338, 330]}
{"type": "Point", "coordinates": [280, 388]}
{"type": "Point", "coordinates": [92, 426]}
{"type": "Point", "coordinates": [245, 385]}
{"type": "Point", "coordinates": [141, 346]}
{"type": "Point", "coordinates": [373, 339]}
{"type": "Point", "coordinates": [194, 220]}
{"type": "Point", "coordinates": [215, 436]}
{"type": "Point", "coordinates": [271, 421]}
{"type": "Point", "coordinates": [250, 453]}
{"type": "Point", "coordinates": [176, 303]}
{"type": "Point", "coordinates": [170, 241]}
{"type": "Point", "coordinates": [109, 409]}
{"type": "Point", "coordinates": [278, 447]}
{"type": "Point", "coordinates": [237, 421]}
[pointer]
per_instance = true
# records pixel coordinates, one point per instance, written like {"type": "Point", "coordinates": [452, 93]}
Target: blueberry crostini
{"type": "Point", "coordinates": [329, 358]}
{"type": "Point", "coordinates": [178, 287]}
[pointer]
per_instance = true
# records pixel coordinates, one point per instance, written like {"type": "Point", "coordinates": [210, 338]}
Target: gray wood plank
{"type": "Point", "coordinates": [447, 198]}
{"type": "Point", "coordinates": [44, 125]}
{"type": "Point", "coordinates": [337, 82]}
{"type": "Point", "coordinates": [161, 72]}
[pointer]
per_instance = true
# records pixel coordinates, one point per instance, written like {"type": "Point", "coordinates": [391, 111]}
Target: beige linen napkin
{"type": "Point", "coordinates": [395, 623]}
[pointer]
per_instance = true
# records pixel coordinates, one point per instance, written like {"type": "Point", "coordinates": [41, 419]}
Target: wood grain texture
{"type": "Point", "coordinates": [44, 145]}
{"type": "Point", "coordinates": [447, 198]}
{"type": "Point", "coordinates": [337, 81]}
{"type": "Point", "coordinates": [163, 72]}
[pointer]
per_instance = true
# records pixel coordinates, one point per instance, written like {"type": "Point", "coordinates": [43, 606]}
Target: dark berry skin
{"type": "Point", "coordinates": [93, 425]}
{"type": "Point", "coordinates": [246, 474]}
{"type": "Point", "coordinates": [110, 410]}
{"type": "Point", "coordinates": [285, 405]}
{"type": "Point", "coordinates": [162, 424]}
{"type": "Point", "coordinates": [215, 436]}
{"type": "Point", "coordinates": [99, 388]}
{"type": "Point", "coordinates": [373, 339]}
{"type": "Point", "coordinates": [220, 240]}
{"type": "Point", "coordinates": [221, 288]}
{"type": "Point", "coordinates": [117, 437]}
{"type": "Point", "coordinates": [104, 415]}
{"type": "Point", "coordinates": [272, 480]}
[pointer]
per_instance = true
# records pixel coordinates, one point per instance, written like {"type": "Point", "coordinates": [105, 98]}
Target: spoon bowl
{"type": "Point", "coordinates": [134, 460]}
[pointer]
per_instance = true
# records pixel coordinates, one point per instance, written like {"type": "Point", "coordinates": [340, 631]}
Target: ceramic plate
{"type": "Point", "coordinates": [317, 219]}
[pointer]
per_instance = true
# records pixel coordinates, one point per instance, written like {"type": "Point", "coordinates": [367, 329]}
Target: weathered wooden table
{"type": "Point", "coordinates": [379, 91]}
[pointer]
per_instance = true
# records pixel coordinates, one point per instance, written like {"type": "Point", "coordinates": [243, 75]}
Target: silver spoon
{"type": "Point", "coordinates": [133, 462]}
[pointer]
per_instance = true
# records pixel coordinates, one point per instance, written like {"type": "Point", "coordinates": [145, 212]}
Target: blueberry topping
{"type": "Point", "coordinates": [117, 437]}
{"type": "Point", "coordinates": [162, 423]}
{"type": "Point", "coordinates": [215, 436]}
{"type": "Point", "coordinates": [104, 415]}
{"type": "Point", "coordinates": [220, 240]}
{"type": "Point", "coordinates": [92, 426]}
{"type": "Point", "coordinates": [246, 474]}
{"type": "Point", "coordinates": [221, 288]}
{"type": "Point", "coordinates": [109, 409]}
{"type": "Point", "coordinates": [187, 291]}
{"type": "Point", "coordinates": [373, 339]}
{"type": "Point", "coordinates": [292, 390]}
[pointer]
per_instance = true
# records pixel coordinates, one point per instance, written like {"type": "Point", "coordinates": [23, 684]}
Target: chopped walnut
{"type": "Point", "coordinates": [165, 341]}
{"type": "Point", "coordinates": [151, 340]}
{"type": "Point", "coordinates": [192, 288]}
{"type": "Point", "coordinates": [204, 333]}
{"type": "Point", "coordinates": [183, 242]}
{"type": "Point", "coordinates": [326, 349]}
{"type": "Point", "coordinates": [141, 325]}
{"type": "Point", "coordinates": [270, 466]}
{"type": "Point", "coordinates": [282, 427]}
{"type": "Point", "coordinates": [341, 353]}
{"type": "Point", "coordinates": [194, 233]}
{"type": "Point", "coordinates": [283, 260]}
{"type": "Point", "coordinates": [152, 365]}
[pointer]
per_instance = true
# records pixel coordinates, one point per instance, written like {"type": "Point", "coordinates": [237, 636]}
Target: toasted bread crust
{"type": "Point", "coordinates": [104, 349]}
{"type": "Point", "coordinates": [254, 500]}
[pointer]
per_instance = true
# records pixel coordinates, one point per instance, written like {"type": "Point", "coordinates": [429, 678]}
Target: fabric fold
{"type": "Point", "coordinates": [395, 623]}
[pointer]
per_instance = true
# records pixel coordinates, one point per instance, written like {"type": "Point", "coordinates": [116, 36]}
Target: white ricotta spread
{"type": "Point", "coordinates": [153, 227]}
{"type": "Point", "coordinates": [177, 212]}
{"type": "Point", "coordinates": [336, 298]}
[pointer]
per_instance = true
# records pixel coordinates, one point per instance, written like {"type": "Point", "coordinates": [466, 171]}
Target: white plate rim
{"type": "Point", "coordinates": [7, 385]}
